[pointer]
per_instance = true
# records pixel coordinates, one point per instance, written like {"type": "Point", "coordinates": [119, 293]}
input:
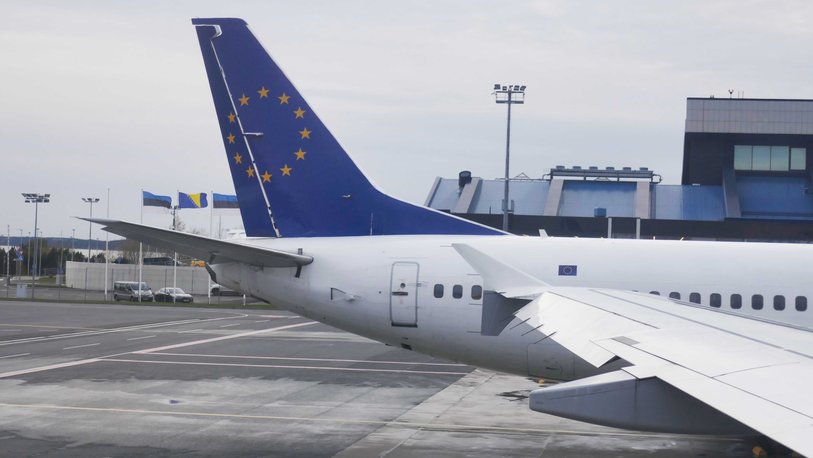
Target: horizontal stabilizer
{"type": "Point", "coordinates": [210, 250]}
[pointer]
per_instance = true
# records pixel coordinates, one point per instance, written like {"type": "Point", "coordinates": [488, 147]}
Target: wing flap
{"type": "Point", "coordinates": [211, 250]}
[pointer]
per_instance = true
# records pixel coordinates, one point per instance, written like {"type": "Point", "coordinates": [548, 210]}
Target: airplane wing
{"type": "Point", "coordinates": [691, 369]}
{"type": "Point", "coordinates": [756, 372]}
{"type": "Point", "coordinates": [211, 250]}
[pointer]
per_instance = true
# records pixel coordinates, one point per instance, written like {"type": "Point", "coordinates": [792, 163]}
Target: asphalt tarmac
{"type": "Point", "coordinates": [122, 380]}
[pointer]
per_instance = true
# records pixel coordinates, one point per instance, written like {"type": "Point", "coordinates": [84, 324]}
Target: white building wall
{"type": "Point", "coordinates": [81, 275]}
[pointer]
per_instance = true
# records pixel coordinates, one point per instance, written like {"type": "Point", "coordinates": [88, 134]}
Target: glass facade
{"type": "Point", "coordinates": [770, 158]}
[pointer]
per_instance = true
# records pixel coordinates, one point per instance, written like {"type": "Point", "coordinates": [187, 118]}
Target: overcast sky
{"type": "Point", "coordinates": [102, 94]}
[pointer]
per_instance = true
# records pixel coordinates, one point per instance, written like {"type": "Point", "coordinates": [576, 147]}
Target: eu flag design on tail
{"type": "Point", "coordinates": [292, 177]}
{"type": "Point", "coordinates": [192, 200]}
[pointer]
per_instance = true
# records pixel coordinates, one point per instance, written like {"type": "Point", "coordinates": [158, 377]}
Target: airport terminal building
{"type": "Point", "coordinates": [746, 176]}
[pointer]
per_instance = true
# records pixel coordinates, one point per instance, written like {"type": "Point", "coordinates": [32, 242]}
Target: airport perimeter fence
{"type": "Point", "coordinates": [91, 276]}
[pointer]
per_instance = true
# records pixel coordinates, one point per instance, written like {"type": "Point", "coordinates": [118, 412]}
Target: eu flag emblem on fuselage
{"type": "Point", "coordinates": [567, 271]}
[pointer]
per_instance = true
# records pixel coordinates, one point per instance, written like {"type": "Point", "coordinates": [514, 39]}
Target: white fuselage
{"type": "Point", "coordinates": [387, 287]}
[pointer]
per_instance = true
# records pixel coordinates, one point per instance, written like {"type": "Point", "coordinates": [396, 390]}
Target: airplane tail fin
{"type": "Point", "coordinates": [292, 177]}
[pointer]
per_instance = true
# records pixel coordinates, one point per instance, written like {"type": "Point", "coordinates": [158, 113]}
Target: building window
{"type": "Point", "coordinates": [715, 300]}
{"type": "Point", "coordinates": [756, 302]}
{"type": "Point", "coordinates": [476, 292]}
{"type": "Point", "coordinates": [694, 297]}
{"type": "Point", "coordinates": [798, 159]}
{"type": "Point", "coordinates": [438, 290]}
{"type": "Point", "coordinates": [769, 158]}
{"type": "Point", "coordinates": [736, 301]}
{"type": "Point", "coordinates": [779, 302]}
{"type": "Point", "coordinates": [674, 295]}
{"type": "Point", "coordinates": [457, 291]}
{"type": "Point", "coordinates": [801, 303]}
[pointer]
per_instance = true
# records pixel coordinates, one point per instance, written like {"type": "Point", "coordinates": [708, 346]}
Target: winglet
{"type": "Point", "coordinates": [500, 277]}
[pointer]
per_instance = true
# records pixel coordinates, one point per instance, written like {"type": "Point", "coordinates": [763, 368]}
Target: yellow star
{"type": "Point", "coordinates": [300, 113]}
{"type": "Point", "coordinates": [286, 170]}
{"type": "Point", "coordinates": [243, 100]}
{"type": "Point", "coordinates": [284, 98]}
{"type": "Point", "coordinates": [232, 117]}
{"type": "Point", "coordinates": [300, 154]}
{"type": "Point", "coordinates": [266, 177]}
{"type": "Point", "coordinates": [231, 138]}
{"type": "Point", "coordinates": [238, 159]}
{"type": "Point", "coordinates": [250, 172]}
{"type": "Point", "coordinates": [305, 133]}
{"type": "Point", "coordinates": [263, 92]}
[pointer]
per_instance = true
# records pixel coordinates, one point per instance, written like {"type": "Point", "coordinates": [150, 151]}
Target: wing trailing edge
{"type": "Point", "coordinates": [211, 250]}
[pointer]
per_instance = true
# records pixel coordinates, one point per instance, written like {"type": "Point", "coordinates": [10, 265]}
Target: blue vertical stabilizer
{"type": "Point", "coordinates": [292, 177]}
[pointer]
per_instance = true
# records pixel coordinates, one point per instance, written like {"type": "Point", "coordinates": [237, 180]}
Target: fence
{"type": "Point", "coordinates": [90, 276]}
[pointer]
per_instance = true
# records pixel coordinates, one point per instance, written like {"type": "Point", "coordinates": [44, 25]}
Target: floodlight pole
{"type": "Point", "coordinates": [509, 95]}
{"type": "Point", "coordinates": [35, 198]}
{"type": "Point", "coordinates": [91, 201]}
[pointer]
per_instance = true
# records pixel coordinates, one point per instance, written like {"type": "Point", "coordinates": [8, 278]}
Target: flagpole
{"type": "Point", "coordinates": [175, 253]}
{"type": "Point", "coordinates": [140, 252]}
{"type": "Point", "coordinates": [211, 236]}
{"type": "Point", "coordinates": [107, 247]}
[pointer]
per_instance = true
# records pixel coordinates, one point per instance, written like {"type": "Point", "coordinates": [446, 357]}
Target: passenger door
{"type": "Point", "coordinates": [404, 294]}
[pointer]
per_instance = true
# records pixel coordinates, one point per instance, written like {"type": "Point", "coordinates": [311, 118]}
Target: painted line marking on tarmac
{"type": "Point", "coordinates": [82, 346]}
{"type": "Point", "coordinates": [262, 321]}
{"type": "Point", "coordinates": [408, 424]}
{"type": "Point", "coordinates": [168, 347]}
{"type": "Point", "coordinates": [142, 337]}
{"type": "Point", "coordinates": [279, 366]}
{"type": "Point", "coordinates": [108, 331]}
{"type": "Point", "coordinates": [14, 356]}
{"type": "Point", "coordinates": [217, 339]}
{"type": "Point", "coordinates": [230, 325]}
{"type": "Point", "coordinates": [191, 330]}
{"type": "Point", "coordinates": [331, 360]}
{"type": "Point", "coordinates": [46, 368]}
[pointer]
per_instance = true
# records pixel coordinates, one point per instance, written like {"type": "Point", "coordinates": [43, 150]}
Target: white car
{"type": "Point", "coordinates": [172, 295]}
{"type": "Point", "coordinates": [220, 290]}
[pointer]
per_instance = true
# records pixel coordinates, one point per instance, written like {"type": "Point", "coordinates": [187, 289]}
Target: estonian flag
{"type": "Point", "coordinates": [192, 200]}
{"type": "Point", "coordinates": [154, 200]}
{"type": "Point", "coordinates": [224, 201]}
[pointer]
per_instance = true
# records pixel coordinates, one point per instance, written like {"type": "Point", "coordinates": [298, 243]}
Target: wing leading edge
{"type": "Point", "coordinates": [211, 250]}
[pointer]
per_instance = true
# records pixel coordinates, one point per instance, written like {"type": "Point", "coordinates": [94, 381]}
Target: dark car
{"type": "Point", "coordinates": [172, 295]}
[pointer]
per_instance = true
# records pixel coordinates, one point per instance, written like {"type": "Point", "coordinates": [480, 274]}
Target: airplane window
{"type": "Point", "coordinates": [801, 303]}
{"type": "Point", "coordinates": [457, 291]}
{"type": "Point", "coordinates": [476, 292]}
{"type": "Point", "coordinates": [715, 300]}
{"type": "Point", "coordinates": [655, 293]}
{"type": "Point", "coordinates": [736, 301]}
{"type": "Point", "coordinates": [779, 302]}
{"type": "Point", "coordinates": [674, 295]}
{"type": "Point", "coordinates": [756, 302]}
{"type": "Point", "coordinates": [438, 290]}
{"type": "Point", "coordinates": [694, 297]}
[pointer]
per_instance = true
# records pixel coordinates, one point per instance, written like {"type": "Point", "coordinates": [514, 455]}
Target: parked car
{"type": "Point", "coordinates": [219, 290]}
{"type": "Point", "coordinates": [131, 290]}
{"type": "Point", "coordinates": [172, 295]}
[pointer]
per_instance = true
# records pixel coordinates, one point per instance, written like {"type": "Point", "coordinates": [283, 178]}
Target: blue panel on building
{"type": "Point", "coordinates": [775, 197]}
{"type": "Point", "coordinates": [529, 197]}
{"type": "Point", "coordinates": [695, 203]}
{"type": "Point", "coordinates": [580, 198]}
